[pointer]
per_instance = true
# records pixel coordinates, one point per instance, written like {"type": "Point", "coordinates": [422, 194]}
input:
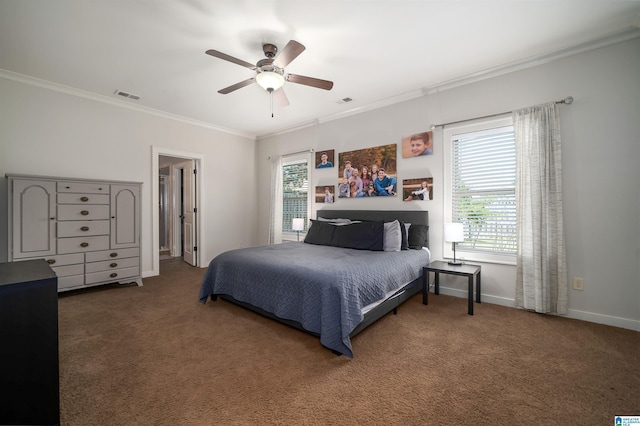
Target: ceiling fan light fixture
{"type": "Point", "coordinates": [270, 80]}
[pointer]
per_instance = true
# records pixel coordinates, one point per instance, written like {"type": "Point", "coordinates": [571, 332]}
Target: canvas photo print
{"type": "Point", "coordinates": [417, 189]}
{"type": "Point", "coordinates": [417, 145]}
{"type": "Point", "coordinates": [325, 193]}
{"type": "Point", "coordinates": [324, 159]}
{"type": "Point", "coordinates": [369, 172]}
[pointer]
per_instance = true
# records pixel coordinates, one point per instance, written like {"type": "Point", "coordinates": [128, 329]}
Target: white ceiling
{"type": "Point", "coordinates": [375, 51]}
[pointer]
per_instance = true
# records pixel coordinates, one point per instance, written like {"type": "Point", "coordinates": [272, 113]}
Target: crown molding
{"type": "Point", "coordinates": [619, 37]}
{"type": "Point", "coordinates": [622, 36]}
{"type": "Point", "coordinates": [45, 84]}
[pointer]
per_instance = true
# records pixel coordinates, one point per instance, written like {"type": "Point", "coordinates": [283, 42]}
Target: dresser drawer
{"type": "Point", "coordinates": [68, 270]}
{"type": "Point", "coordinates": [106, 265]}
{"type": "Point", "coordinates": [73, 198]}
{"type": "Point", "coordinates": [83, 187]}
{"type": "Point", "coordinates": [70, 282]}
{"type": "Point", "coordinates": [113, 275]}
{"type": "Point", "coordinates": [65, 259]}
{"type": "Point", "coordinates": [79, 228]}
{"type": "Point", "coordinates": [112, 254]}
{"type": "Point", "coordinates": [88, 212]}
{"type": "Point", "coordinates": [82, 244]}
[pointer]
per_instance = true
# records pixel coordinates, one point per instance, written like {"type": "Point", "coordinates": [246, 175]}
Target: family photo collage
{"type": "Point", "coordinates": [372, 172]}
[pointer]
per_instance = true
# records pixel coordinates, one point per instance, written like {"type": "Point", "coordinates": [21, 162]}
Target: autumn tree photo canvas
{"type": "Point", "coordinates": [369, 172]}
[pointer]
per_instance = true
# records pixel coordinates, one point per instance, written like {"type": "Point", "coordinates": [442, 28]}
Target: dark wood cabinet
{"type": "Point", "coordinates": [29, 380]}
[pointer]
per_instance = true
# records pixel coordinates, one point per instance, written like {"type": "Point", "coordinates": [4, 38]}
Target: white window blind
{"type": "Point", "coordinates": [295, 181]}
{"type": "Point", "coordinates": [483, 189]}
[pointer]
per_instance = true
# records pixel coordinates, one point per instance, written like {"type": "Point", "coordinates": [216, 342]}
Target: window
{"type": "Point", "coordinates": [295, 194]}
{"type": "Point", "coordinates": [481, 191]}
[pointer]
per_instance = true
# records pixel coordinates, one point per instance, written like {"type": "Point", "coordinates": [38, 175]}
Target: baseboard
{"type": "Point", "coordinates": [147, 274]}
{"type": "Point", "coordinates": [486, 298]}
{"type": "Point", "coordinates": [605, 319]}
{"type": "Point", "coordinates": [627, 323]}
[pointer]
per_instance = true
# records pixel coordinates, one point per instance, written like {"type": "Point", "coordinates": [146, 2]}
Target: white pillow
{"type": "Point", "coordinates": [392, 239]}
{"type": "Point", "coordinates": [338, 222]}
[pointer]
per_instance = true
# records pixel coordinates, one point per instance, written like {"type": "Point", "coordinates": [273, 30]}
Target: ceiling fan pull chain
{"type": "Point", "coordinates": [271, 99]}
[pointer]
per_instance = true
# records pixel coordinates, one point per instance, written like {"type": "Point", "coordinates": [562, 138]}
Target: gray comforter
{"type": "Point", "coordinates": [323, 288]}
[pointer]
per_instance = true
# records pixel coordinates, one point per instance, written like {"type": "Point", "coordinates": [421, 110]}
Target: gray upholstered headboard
{"type": "Point", "coordinates": [418, 217]}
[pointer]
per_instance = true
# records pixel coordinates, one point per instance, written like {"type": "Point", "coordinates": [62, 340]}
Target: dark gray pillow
{"type": "Point", "coordinates": [404, 244]}
{"type": "Point", "coordinates": [418, 236]}
{"type": "Point", "coordinates": [320, 233]}
{"type": "Point", "coordinates": [361, 236]}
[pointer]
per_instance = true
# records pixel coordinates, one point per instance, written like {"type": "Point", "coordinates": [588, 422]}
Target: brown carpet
{"type": "Point", "coordinates": [154, 355]}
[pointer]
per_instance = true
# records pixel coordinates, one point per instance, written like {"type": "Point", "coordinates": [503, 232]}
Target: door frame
{"type": "Point", "coordinates": [180, 184]}
{"type": "Point", "coordinates": [156, 152]}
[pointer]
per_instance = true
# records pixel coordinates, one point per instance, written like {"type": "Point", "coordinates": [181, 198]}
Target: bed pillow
{"type": "Point", "coordinates": [404, 242]}
{"type": "Point", "coordinates": [417, 236]}
{"type": "Point", "coordinates": [320, 233]}
{"type": "Point", "coordinates": [361, 236]}
{"type": "Point", "coordinates": [392, 240]}
{"type": "Point", "coordinates": [338, 221]}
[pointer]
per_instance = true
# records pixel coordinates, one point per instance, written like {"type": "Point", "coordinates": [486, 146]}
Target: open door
{"type": "Point", "coordinates": [188, 210]}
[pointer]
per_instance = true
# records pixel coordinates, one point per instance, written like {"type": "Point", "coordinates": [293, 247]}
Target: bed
{"type": "Point", "coordinates": [354, 267]}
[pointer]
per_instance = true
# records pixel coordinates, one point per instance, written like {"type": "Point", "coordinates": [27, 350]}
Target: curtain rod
{"type": "Point", "coordinates": [568, 100]}
{"type": "Point", "coordinates": [294, 153]}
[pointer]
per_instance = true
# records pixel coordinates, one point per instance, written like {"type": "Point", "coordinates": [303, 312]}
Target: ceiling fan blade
{"type": "Point", "coordinates": [229, 58]}
{"type": "Point", "coordinates": [280, 97]}
{"type": "Point", "coordinates": [236, 86]}
{"type": "Point", "coordinates": [288, 54]}
{"type": "Point", "coordinates": [310, 81]}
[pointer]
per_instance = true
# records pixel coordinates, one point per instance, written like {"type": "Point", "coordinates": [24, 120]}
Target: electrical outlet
{"type": "Point", "coordinates": [578, 283]}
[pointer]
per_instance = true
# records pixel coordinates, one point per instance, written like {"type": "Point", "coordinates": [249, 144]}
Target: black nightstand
{"type": "Point", "coordinates": [465, 270]}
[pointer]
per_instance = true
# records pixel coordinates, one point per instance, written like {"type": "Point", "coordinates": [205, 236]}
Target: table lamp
{"type": "Point", "coordinates": [297, 224]}
{"type": "Point", "coordinates": [454, 233]}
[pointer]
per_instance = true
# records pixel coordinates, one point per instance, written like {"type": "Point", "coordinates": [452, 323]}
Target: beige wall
{"type": "Point", "coordinates": [51, 132]}
{"type": "Point", "coordinates": [600, 169]}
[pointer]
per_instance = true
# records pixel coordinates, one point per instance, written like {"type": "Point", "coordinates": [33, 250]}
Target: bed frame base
{"type": "Point", "coordinates": [389, 305]}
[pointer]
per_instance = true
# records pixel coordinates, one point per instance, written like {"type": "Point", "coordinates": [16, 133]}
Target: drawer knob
{"type": "Point", "coordinates": [114, 255]}
{"type": "Point", "coordinates": [51, 261]}
{"type": "Point", "coordinates": [84, 212]}
{"type": "Point", "coordinates": [85, 199]}
{"type": "Point", "coordinates": [84, 244]}
{"type": "Point", "coordinates": [84, 228]}
{"type": "Point", "coordinates": [113, 275]}
{"type": "Point", "coordinates": [113, 265]}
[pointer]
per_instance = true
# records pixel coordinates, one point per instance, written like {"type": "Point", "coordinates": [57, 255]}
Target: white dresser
{"type": "Point", "coordinates": [87, 230]}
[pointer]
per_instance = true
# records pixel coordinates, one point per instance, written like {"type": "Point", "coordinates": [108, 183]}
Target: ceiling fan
{"type": "Point", "coordinates": [270, 73]}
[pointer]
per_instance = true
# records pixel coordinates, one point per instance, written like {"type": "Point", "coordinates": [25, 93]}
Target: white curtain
{"type": "Point", "coordinates": [541, 282]}
{"type": "Point", "coordinates": [275, 220]}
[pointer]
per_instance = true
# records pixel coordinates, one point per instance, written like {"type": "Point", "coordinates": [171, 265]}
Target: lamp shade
{"type": "Point", "coordinates": [453, 232]}
{"type": "Point", "coordinates": [270, 81]}
{"type": "Point", "coordinates": [297, 224]}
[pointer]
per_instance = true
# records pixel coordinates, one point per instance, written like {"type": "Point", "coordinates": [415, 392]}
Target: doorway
{"type": "Point", "coordinates": [177, 222]}
{"type": "Point", "coordinates": [177, 199]}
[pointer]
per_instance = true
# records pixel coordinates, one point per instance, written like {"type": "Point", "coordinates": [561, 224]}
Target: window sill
{"type": "Point", "coordinates": [475, 258]}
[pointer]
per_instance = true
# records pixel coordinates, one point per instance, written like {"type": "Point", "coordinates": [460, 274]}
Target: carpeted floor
{"type": "Point", "coordinates": [154, 355]}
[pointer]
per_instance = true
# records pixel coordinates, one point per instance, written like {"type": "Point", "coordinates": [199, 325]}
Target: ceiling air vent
{"type": "Point", "coordinates": [344, 100]}
{"type": "Point", "coordinates": [126, 95]}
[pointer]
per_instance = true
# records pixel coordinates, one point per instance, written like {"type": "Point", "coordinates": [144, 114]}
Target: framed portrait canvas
{"type": "Point", "coordinates": [417, 145]}
{"type": "Point", "coordinates": [324, 159]}
{"type": "Point", "coordinates": [325, 193]}
{"type": "Point", "coordinates": [369, 172]}
{"type": "Point", "coordinates": [417, 189]}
